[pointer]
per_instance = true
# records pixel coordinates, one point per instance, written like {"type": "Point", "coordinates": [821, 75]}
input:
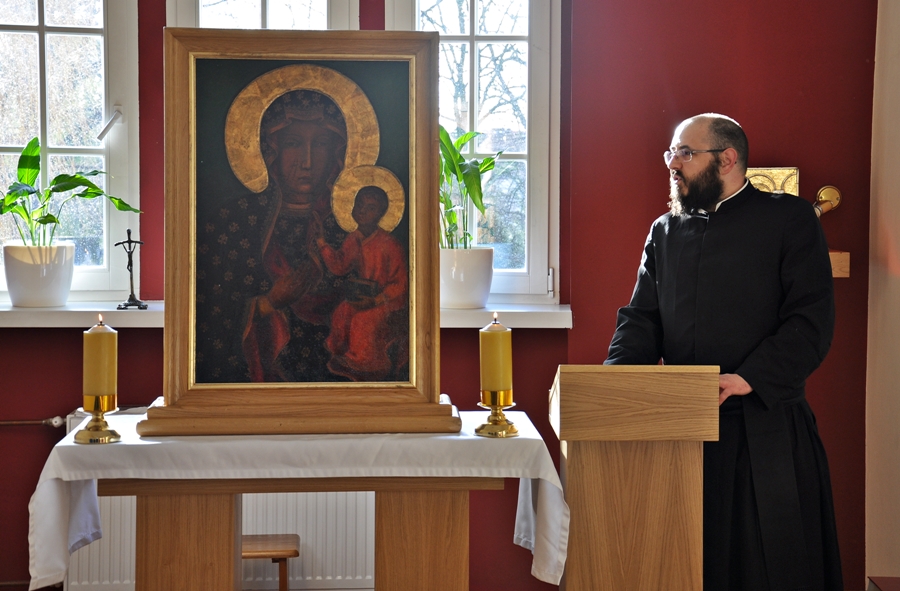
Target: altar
{"type": "Point", "coordinates": [189, 494]}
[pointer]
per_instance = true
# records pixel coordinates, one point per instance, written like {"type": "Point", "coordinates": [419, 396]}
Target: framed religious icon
{"type": "Point", "coordinates": [301, 221]}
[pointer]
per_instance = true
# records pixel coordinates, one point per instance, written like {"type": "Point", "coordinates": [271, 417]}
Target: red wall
{"type": "Point", "coordinates": [40, 377]}
{"type": "Point", "coordinates": [798, 78]}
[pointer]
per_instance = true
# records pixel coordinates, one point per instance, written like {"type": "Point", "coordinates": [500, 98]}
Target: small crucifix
{"type": "Point", "coordinates": [132, 301]}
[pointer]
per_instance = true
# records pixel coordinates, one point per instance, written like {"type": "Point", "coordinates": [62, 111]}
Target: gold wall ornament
{"type": "Point", "coordinates": [828, 198]}
{"type": "Point", "coordinates": [787, 180]}
{"type": "Point", "coordinates": [784, 179]}
{"type": "Point", "coordinates": [351, 180]}
{"type": "Point", "coordinates": [245, 116]}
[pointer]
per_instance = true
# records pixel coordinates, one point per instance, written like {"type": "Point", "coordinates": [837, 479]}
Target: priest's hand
{"type": "Point", "coordinates": [731, 384]}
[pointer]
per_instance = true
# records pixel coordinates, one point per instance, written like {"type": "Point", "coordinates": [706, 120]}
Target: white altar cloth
{"type": "Point", "coordinates": [64, 512]}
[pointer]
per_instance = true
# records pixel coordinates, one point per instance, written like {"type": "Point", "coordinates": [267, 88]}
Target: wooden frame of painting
{"type": "Point", "coordinates": [301, 248]}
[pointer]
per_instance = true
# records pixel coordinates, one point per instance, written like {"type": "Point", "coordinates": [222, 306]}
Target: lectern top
{"type": "Point", "coordinates": [635, 403]}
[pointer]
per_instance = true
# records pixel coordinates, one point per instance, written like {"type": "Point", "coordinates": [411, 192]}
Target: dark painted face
{"type": "Point", "coordinates": [307, 160]}
{"type": "Point", "coordinates": [369, 207]}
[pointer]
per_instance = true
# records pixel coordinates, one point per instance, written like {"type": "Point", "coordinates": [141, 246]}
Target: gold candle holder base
{"type": "Point", "coordinates": [497, 425]}
{"type": "Point", "coordinates": [97, 430]}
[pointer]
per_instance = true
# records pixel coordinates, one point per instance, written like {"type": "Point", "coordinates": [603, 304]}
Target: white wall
{"type": "Point", "coordinates": [883, 379]}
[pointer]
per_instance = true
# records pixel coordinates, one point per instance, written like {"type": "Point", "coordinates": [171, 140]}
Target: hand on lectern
{"type": "Point", "coordinates": [731, 384]}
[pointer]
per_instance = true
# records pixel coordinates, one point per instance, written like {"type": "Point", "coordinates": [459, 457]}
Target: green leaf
{"type": "Point", "coordinates": [8, 202]}
{"type": "Point", "coordinates": [47, 218]}
{"type": "Point", "coordinates": [121, 205]}
{"type": "Point", "coordinates": [67, 182]}
{"type": "Point", "coordinates": [16, 208]}
{"type": "Point", "coordinates": [465, 139]}
{"type": "Point", "coordinates": [488, 163]}
{"type": "Point", "coordinates": [449, 151]}
{"type": "Point", "coordinates": [90, 193]}
{"type": "Point", "coordinates": [29, 163]}
{"type": "Point", "coordinates": [21, 189]}
{"type": "Point", "coordinates": [471, 174]}
{"type": "Point", "coordinates": [446, 143]}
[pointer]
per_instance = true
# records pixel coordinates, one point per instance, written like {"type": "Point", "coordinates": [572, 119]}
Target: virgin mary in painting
{"type": "Point", "coordinates": [265, 297]}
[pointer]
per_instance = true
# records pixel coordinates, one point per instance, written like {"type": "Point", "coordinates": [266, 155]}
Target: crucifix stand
{"type": "Point", "coordinates": [132, 301]}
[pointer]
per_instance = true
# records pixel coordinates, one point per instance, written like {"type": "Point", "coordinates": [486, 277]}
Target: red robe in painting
{"type": "Point", "coordinates": [369, 333]}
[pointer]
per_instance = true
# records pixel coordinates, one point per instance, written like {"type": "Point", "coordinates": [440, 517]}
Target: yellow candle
{"type": "Point", "coordinates": [495, 344]}
{"type": "Point", "coordinates": [99, 384]}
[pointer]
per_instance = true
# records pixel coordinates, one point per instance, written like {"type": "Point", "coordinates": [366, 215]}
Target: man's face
{"type": "Point", "coordinates": [695, 184]}
{"type": "Point", "coordinates": [307, 158]}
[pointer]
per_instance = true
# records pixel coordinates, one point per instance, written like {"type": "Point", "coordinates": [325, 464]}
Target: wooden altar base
{"type": "Point", "coordinates": [188, 531]}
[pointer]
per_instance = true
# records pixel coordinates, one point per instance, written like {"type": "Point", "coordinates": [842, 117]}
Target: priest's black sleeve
{"type": "Point", "coordinates": [639, 336]}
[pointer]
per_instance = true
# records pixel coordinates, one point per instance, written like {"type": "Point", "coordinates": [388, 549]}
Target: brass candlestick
{"type": "Point", "coordinates": [97, 430]}
{"type": "Point", "coordinates": [497, 425]}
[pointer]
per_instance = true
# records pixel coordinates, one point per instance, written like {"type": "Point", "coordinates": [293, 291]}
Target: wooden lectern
{"type": "Point", "coordinates": [631, 441]}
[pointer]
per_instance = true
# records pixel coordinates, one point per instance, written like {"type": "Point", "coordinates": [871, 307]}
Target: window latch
{"type": "Point", "coordinates": [115, 116]}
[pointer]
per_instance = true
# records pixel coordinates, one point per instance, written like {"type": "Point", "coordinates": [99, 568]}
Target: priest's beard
{"type": "Point", "coordinates": [701, 192]}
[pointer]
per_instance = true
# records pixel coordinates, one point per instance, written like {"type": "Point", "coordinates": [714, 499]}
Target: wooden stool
{"type": "Point", "coordinates": [278, 547]}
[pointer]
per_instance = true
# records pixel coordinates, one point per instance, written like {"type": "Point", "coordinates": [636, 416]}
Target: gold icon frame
{"type": "Point", "coordinates": [300, 407]}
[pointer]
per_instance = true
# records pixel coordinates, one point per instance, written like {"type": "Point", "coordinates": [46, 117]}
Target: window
{"type": "Point", "coordinates": [499, 75]}
{"type": "Point", "coordinates": [66, 68]}
{"type": "Point", "coordinates": [264, 14]}
{"type": "Point", "coordinates": [495, 78]}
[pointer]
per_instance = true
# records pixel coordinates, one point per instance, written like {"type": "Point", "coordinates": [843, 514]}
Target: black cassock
{"type": "Point", "coordinates": [748, 288]}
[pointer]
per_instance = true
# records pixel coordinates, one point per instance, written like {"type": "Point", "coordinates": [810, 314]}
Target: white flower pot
{"type": "Point", "coordinates": [39, 276]}
{"type": "Point", "coordinates": [466, 275]}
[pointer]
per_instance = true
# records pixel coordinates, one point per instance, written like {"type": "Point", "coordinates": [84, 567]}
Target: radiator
{"type": "Point", "coordinates": [337, 542]}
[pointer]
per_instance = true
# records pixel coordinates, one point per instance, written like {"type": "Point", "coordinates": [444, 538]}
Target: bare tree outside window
{"type": "Point", "coordinates": [484, 87]}
{"type": "Point", "coordinates": [66, 115]}
{"type": "Point", "coordinates": [264, 14]}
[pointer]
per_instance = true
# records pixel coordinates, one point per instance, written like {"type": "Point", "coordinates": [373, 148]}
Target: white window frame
{"type": "Point", "coordinates": [342, 14]}
{"type": "Point", "coordinates": [120, 148]}
{"type": "Point", "coordinates": [538, 284]}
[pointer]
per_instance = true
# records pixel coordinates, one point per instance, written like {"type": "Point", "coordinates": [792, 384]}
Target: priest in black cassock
{"type": "Point", "coordinates": [739, 278]}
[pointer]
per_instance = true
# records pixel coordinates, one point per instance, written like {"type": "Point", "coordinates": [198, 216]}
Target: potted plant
{"type": "Point", "coordinates": [39, 270]}
{"type": "Point", "coordinates": [466, 270]}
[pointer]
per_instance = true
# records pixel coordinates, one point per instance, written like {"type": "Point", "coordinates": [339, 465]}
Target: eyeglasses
{"type": "Point", "coordinates": [685, 154]}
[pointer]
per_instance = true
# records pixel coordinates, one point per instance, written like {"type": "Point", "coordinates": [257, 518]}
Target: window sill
{"type": "Point", "coordinates": [84, 315]}
{"type": "Point", "coordinates": [511, 316]}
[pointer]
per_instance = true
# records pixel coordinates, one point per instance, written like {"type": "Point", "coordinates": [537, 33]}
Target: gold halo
{"type": "Point", "coordinates": [351, 180]}
{"type": "Point", "coordinates": [246, 112]}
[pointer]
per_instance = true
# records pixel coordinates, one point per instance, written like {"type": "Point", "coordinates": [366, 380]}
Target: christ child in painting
{"type": "Point", "coordinates": [364, 334]}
